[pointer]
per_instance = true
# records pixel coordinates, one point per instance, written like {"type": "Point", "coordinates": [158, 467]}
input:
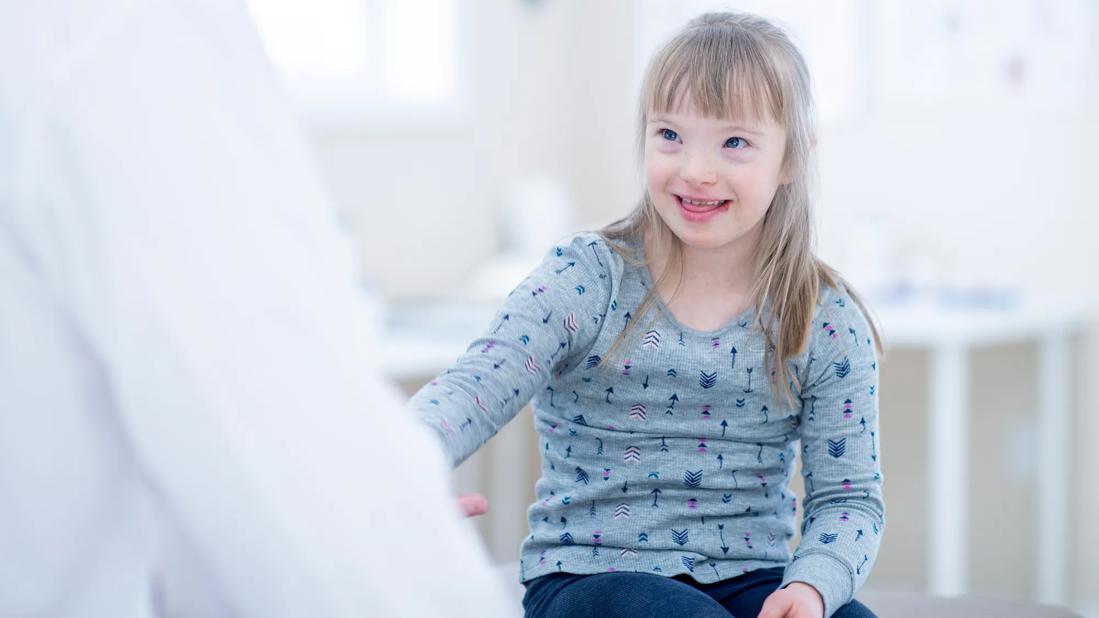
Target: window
{"type": "Point", "coordinates": [352, 60]}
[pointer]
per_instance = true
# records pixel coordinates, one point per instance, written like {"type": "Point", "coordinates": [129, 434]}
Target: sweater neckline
{"type": "Point", "coordinates": [742, 321]}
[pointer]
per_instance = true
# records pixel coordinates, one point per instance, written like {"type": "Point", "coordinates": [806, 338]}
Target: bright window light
{"type": "Point", "coordinates": [322, 38]}
{"type": "Point", "coordinates": [362, 51]}
{"type": "Point", "coordinates": [418, 50]}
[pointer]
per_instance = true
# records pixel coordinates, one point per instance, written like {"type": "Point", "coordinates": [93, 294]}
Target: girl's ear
{"type": "Point", "coordinates": [786, 176]}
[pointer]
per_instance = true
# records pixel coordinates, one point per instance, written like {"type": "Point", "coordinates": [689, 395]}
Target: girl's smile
{"type": "Point", "coordinates": [698, 210]}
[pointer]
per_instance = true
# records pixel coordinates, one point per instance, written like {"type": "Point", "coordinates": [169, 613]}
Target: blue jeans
{"type": "Point", "coordinates": [607, 595]}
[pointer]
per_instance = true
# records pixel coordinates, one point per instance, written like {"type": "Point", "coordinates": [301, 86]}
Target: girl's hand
{"type": "Point", "coordinates": [473, 504]}
{"type": "Point", "coordinates": [798, 600]}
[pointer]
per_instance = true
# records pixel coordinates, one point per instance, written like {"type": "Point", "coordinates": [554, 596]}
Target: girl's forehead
{"type": "Point", "coordinates": [741, 118]}
{"type": "Point", "coordinates": [732, 107]}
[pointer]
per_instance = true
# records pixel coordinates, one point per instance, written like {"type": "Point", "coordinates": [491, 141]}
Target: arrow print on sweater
{"type": "Point", "coordinates": [560, 346]}
{"type": "Point", "coordinates": [581, 475]}
{"type": "Point", "coordinates": [591, 245]}
{"type": "Point", "coordinates": [680, 537]}
{"type": "Point", "coordinates": [707, 380]}
{"type": "Point", "coordinates": [692, 479]}
{"type": "Point", "coordinates": [532, 365]}
{"type": "Point", "coordinates": [836, 448]}
{"type": "Point", "coordinates": [842, 368]}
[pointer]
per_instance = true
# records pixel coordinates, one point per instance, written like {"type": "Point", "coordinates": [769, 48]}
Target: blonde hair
{"type": "Point", "coordinates": [735, 65]}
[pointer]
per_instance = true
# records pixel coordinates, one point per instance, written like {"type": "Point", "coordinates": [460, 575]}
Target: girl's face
{"type": "Point", "coordinates": [712, 180]}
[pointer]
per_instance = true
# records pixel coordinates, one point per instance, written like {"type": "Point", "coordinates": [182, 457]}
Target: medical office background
{"type": "Point", "coordinates": [461, 139]}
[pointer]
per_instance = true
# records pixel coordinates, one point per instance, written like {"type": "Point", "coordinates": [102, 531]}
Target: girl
{"type": "Point", "coordinates": [677, 358]}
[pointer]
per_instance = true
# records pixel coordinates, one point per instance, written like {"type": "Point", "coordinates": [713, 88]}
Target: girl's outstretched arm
{"type": "Point", "coordinates": [844, 513]}
{"type": "Point", "coordinates": [544, 327]}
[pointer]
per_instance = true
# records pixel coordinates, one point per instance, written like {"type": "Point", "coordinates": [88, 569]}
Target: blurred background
{"type": "Point", "coordinates": [460, 140]}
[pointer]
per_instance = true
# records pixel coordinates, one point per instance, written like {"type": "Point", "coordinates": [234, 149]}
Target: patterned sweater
{"type": "Point", "coordinates": [672, 458]}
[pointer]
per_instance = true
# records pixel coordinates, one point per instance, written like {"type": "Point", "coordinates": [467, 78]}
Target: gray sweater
{"type": "Point", "coordinates": [673, 458]}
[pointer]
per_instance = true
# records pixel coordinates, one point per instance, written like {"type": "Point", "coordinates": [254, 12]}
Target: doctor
{"type": "Point", "coordinates": [189, 423]}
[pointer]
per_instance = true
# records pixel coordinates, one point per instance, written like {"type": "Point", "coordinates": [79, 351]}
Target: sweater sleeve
{"type": "Point", "coordinates": [844, 514]}
{"type": "Point", "coordinates": [546, 323]}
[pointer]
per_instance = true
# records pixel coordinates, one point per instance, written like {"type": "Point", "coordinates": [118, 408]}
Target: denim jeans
{"type": "Point", "coordinates": [607, 595]}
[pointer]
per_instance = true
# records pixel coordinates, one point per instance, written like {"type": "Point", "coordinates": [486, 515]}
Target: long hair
{"type": "Point", "coordinates": [735, 65]}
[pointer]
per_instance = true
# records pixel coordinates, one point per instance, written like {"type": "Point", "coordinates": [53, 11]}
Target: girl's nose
{"type": "Point", "coordinates": [697, 169]}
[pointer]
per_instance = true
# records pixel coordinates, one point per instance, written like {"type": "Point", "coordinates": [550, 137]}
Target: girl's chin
{"type": "Point", "coordinates": [702, 240]}
{"type": "Point", "coordinates": [704, 237]}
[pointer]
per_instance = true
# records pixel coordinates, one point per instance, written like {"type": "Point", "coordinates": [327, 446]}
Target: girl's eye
{"type": "Point", "coordinates": [669, 135]}
{"type": "Point", "coordinates": [735, 142]}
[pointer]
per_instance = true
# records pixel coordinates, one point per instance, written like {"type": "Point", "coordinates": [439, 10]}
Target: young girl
{"type": "Point", "coordinates": [677, 358]}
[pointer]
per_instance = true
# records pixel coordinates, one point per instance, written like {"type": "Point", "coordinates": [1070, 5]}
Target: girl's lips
{"type": "Point", "coordinates": [697, 213]}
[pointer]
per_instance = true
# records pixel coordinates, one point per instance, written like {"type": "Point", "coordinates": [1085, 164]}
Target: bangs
{"type": "Point", "coordinates": [721, 72]}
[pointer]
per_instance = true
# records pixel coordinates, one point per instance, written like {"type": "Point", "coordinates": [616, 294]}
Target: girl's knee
{"type": "Point", "coordinates": [854, 609]}
{"type": "Point", "coordinates": [629, 594]}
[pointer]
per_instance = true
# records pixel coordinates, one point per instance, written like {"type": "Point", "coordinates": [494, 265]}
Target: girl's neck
{"type": "Point", "coordinates": [713, 286]}
{"type": "Point", "coordinates": [726, 271]}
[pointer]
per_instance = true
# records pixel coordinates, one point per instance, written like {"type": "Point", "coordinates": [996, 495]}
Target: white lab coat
{"type": "Point", "coordinates": [190, 423]}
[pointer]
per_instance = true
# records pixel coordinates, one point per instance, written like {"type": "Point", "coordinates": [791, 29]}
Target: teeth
{"type": "Point", "coordinates": [694, 203]}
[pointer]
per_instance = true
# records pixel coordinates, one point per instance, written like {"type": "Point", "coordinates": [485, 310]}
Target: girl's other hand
{"type": "Point", "coordinates": [797, 600]}
{"type": "Point", "coordinates": [473, 504]}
